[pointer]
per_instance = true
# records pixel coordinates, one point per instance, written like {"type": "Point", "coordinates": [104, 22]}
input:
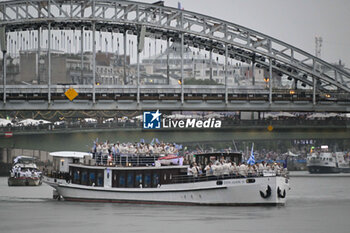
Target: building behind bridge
{"type": "Point", "coordinates": [66, 69]}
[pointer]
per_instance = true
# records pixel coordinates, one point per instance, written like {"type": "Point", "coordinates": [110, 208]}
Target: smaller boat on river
{"type": "Point", "coordinates": [321, 160]}
{"type": "Point", "coordinates": [24, 172]}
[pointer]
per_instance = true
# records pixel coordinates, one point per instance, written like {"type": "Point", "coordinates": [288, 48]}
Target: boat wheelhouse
{"type": "Point", "coordinates": [143, 179]}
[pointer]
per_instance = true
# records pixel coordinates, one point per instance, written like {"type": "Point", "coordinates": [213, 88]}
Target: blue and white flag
{"type": "Point", "coordinates": [251, 159]}
{"type": "Point", "coordinates": [178, 147]}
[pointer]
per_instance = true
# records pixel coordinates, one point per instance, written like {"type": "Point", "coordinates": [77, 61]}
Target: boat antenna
{"type": "Point", "coordinates": [234, 144]}
{"type": "Point", "coordinates": [200, 147]}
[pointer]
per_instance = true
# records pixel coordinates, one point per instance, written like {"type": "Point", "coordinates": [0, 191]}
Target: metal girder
{"type": "Point", "coordinates": [20, 14]}
{"type": "Point", "coordinates": [242, 105]}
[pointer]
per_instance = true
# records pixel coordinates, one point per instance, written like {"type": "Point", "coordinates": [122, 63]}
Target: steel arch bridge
{"type": "Point", "coordinates": [187, 28]}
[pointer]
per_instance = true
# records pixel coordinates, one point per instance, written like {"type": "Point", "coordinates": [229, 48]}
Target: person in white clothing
{"type": "Point", "coordinates": [233, 169]}
{"type": "Point", "coordinates": [250, 170]}
{"type": "Point", "coordinates": [219, 169]}
{"type": "Point", "coordinates": [226, 169]}
{"type": "Point", "coordinates": [28, 173]}
{"type": "Point", "coordinates": [195, 170]}
{"type": "Point", "coordinates": [242, 170]}
{"type": "Point", "coordinates": [209, 169]}
{"type": "Point", "coordinates": [261, 168]}
{"type": "Point", "coordinates": [215, 170]}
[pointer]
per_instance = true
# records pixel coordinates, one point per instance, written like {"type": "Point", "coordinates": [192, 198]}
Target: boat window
{"type": "Point", "coordinates": [76, 177]}
{"type": "Point", "coordinates": [121, 180]}
{"type": "Point", "coordinates": [84, 178]}
{"type": "Point", "coordinates": [147, 182]}
{"type": "Point", "coordinates": [138, 180]}
{"type": "Point", "coordinates": [100, 179]}
{"type": "Point", "coordinates": [250, 181]}
{"type": "Point", "coordinates": [155, 180]}
{"type": "Point", "coordinates": [76, 160]}
{"type": "Point", "coordinates": [92, 178]}
{"type": "Point", "coordinates": [130, 180]}
{"type": "Point", "coordinates": [164, 176]}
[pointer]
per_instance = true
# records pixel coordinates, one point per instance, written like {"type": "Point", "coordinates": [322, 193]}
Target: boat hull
{"type": "Point", "coordinates": [24, 181]}
{"type": "Point", "coordinates": [323, 169]}
{"type": "Point", "coordinates": [243, 191]}
{"type": "Point", "coordinates": [345, 170]}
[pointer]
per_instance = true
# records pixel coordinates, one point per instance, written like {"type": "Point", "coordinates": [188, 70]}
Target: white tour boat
{"type": "Point", "coordinates": [323, 161]}
{"type": "Point", "coordinates": [143, 179]}
{"type": "Point", "coordinates": [24, 172]}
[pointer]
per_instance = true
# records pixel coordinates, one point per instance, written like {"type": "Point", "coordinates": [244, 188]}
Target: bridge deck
{"type": "Point", "coordinates": [169, 98]}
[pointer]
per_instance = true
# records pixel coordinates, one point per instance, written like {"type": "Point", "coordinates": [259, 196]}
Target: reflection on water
{"type": "Point", "coordinates": [314, 205]}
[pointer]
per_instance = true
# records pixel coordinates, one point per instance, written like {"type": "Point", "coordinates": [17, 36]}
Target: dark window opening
{"type": "Point", "coordinates": [130, 180]}
{"type": "Point", "coordinates": [147, 182]}
{"type": "Point", "coordinates": [138, 181]}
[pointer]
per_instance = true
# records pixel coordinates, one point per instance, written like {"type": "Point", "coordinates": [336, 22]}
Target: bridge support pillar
{"type": "Point", "coordinates": [49, 61]}
{"type": "Point", "coordinates": [314, 90]}
{"type": "Point", "coordinates": [37, 65]}
{"type": "Point", "coordinates": [93, 62]}
{"type": "Point", "coordinates": [253, 75]}
{"type": "Point", "coordinates": [226, 66]}
{"type": "Point", "coordinates": [124, 38]}
{"type": "Point", "coordinates": [211, 64]}
{"type": "Point", "coordinates": [138, 71]}
{"type": "Point", "coordinates": [82, 53]}
{"type": "Point", "coordinates": [4, 73]}
{"type": "Point", "coordinates": [314, 81]}
{"type": "Point", "coordinates": [167, 60]}
{"type": "Point", "coordinates": [3, 42]}
{"type": "Point", "coordinates": [270, 72]}
{"type": "Point", "coordinates": [182, 69]}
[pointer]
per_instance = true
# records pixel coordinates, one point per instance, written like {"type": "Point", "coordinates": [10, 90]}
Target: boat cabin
{"type": "Point", "coordinates": [125, 177]}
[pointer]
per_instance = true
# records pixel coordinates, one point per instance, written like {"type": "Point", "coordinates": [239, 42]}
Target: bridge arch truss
{"type": "Point", "coordinates": [188, 28]}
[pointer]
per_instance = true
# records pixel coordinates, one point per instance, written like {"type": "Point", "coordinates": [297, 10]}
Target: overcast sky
{"type": "Point", "coordinates": [296, 22]}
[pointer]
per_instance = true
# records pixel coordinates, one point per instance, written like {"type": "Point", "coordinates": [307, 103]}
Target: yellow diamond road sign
{"type": "Point", "coordinates": [71, 94]}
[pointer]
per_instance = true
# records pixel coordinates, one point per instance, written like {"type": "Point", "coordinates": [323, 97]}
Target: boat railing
{"type": "Point", "coordinates": [127, 160]}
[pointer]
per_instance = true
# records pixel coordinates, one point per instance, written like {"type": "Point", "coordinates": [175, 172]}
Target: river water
{"type": "Point", "coordinates": [315, 205]}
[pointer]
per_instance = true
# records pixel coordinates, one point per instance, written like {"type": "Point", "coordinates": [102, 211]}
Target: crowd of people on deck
{"type": "Point", "coordinates": [19, 172]}
{"type": "Point", "coordinates": [228, 168]}
{"type": "Point", "coordinates": [104, 152]}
